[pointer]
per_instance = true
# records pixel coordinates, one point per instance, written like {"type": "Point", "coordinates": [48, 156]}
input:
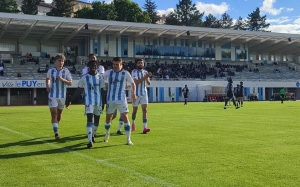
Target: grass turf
{"type": "Point", "coordinates": [198, 145]}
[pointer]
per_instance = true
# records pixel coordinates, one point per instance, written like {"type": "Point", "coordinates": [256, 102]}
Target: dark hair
{"type": "Point", "coordinates": [92, 61]}
{"type": "Point", "coordinates": [138, 59]}
{"type": "Point", "coordinates": [241, 82]}
{"type": "Point", "coordinates": [117, 59]}
{"type": "Point", "coordinates": [92, 54]}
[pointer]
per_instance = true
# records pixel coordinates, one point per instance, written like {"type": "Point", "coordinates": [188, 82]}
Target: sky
{"type": "Point", "coordinates": [282, 15]}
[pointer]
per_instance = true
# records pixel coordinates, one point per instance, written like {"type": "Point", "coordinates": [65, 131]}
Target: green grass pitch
{"type": "Point", "coordinates": [198, 145]}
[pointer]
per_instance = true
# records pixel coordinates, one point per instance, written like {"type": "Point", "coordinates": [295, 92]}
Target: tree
{"type": "Point", "coordinates": [255, 22]}
{"type": "Point", "coordinates": [130, 12]}
{"type": "Point", "coordinates": [172, 19]}
{"type": "Point", "coordinates": [99, 10]}
{"type": "Point", "coordinates": [9, 6]}
{"type": "Point", "coordinates": [150, 8]}
{"type": "Point", "coordinates": [62, 8]}
{"type": "Point", "coordinates": [225, 21]}
{"type": "Point", "coordinates": [30, 6]}
{"type": "Point", "coordinates": [240, 24]}
{"type": "Point", "coordinates": [186, 13]}
{"type": "Point", "coordinates": [211, 21]}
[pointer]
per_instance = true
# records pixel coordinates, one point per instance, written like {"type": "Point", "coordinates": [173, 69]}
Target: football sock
{"type": "Point", "coordinates": [55, 128]}
{"type": "Point", "coordinates": [133, 120]}
{"type": "Point", "coordinates": [145, 123]}
{"type": "Point", "coordinates": [120, 124]}
{"type": "Point", "coordinates": [89, 130]}
{"type": "Point", "coordinates": [107, 128]}
{"type": "Point", "coordinates": [127, 130]}
{"type": "Point", "coordinates": [95, 127]}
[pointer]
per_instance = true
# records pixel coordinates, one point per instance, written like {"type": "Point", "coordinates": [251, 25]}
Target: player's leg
{"type": "Point", "coordinates": [53, 105]}
{"type": "Point", "coordinates": [134, 111]}
{"type": "Point", "coordinates": [96, 118]}
{"type": "Point", "coordinates": [119, 132]}
{"type": "Point", "coordinates": [144, 104]}
{"type": "Point", "coordinates": [145, 120]}
{"type": "Point", "coordinates": [89, 125]}
{"type": "Point", "coordinates": [110, 110]}
{"type": "Point", "coordinates": [123, 109]}
{"type": "Point", "coordinates": [226, 102]}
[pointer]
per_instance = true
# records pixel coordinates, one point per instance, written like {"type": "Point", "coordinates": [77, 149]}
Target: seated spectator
{"type": "Point", "coordinates": [19, 74]}
{"type": "Point", "coordinates": [37, 61]}
{"type": "Point", "coordinates": [1, 68]}
{"type": "Point", "coordinates": [73, 70]}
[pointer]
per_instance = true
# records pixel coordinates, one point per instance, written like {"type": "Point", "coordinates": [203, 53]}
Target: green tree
{"type": "Point", "coordinates": [150, 8]}
{"type": "Point", "coordinates": [130, 12]}
{"type": "Point", "coordinates": [186, 13]}
{"type": "Point", "coordinates": [225, 21]}
{"type": "Point", "coordinates": [62, 8]}
{"type": "Point", "coordinates": [30, 6]}
{"type": "Point", "coordinates": [240, 24]}
{"type": "Point", "coordinates": [103, 11]}
{"type": "Point", "coordinates": [9, 6]}
{"type": "Point", "coordinates": [256, 22]}
{"type": "Point", "coordinates": [172, 19]}
{"type": "Point", "coordinates": [99, 10]}
{"type": "Point", "coordinates": [211, 21]}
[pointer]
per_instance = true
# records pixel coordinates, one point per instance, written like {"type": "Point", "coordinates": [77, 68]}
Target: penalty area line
{"type": "Point", "coordinates": [101, 161]}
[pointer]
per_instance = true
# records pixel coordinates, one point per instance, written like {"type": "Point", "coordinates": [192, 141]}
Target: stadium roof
{"type": "Point", "coordinates": [44, 28]}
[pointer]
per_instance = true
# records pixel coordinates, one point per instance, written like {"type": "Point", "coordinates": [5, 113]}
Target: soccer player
{"type": "Point", "coordinates": [229, 93]}
{"type": "Point", "coordinates": [56, 84]}
{"type": "Point", "coordinates": [282, 94]}
{"type": "Point", "coordinates": [141, 77]}
{"type": "Point", "coordinates": [241, 94]}
{"type": "Point", "coordinates": [235, 94]}
{"type": "Point", "coordinates": [116, 97]}
{"type": "Point", "coordinates": [92, 84]}
{"type": "Point", "coordinates": [186, 94]}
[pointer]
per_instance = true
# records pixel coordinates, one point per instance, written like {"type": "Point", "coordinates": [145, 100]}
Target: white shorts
{"type": "Point", "coordinates": [91, 109]}
{"type": "Point", "coordinates": [59, 103]}
{"type": "Point", "coordinates": [140, 100]}
{"type": "Point", "coordinates": [111, 107]}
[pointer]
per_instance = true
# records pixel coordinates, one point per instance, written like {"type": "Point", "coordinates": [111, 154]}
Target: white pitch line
{"type": "Point", "coordinates": [101, 161]}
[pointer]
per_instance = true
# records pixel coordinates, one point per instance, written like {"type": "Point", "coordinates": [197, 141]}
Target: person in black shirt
{"type": "Point", "coordinates": [186, 94]}
{"type": "Point", "coordinates": [240, 94]}
{"type": "Point", "coordinates": [229, 93]}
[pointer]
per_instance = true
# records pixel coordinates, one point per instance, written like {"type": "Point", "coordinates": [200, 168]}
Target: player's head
{"type": "Point", "coordinates": [59, 61]}
{"type": "Point", "coordinates": [139, 63]}
{"type": "Point", "coordinates": [241, 83]}
{"type": "Point", "coordinates": [185, 86]}
{"type": "Point", "coordinates": [230, 80]}
{"type": "Point", "coordinates": [117, 64]}
{"type": "Point", "coordinates": [92, 56]}
{"type": "Point", "coordinates": [92, 65]}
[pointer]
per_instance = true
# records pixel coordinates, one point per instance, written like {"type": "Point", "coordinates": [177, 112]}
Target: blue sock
{"type": "Point", "coordinates": [127, 130]}
{"type": "Point", "coordinates": [145, 122]}
{"type": "Point", "coordinates": [95, 127]}
{"type": "Point", "coordinates": [55, 128]}
{"type": "Point", "coordinates": [107, 127]}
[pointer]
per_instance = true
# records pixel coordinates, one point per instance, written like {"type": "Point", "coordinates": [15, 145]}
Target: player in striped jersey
{"type": "Point", "coordinates": [57, 80]}
{"type": "Point", "coordinates": [92, 84]}
{"type": "Point", "coordinates": [117, 78]}
{"type": "Point", "coordinates": [141, 77]}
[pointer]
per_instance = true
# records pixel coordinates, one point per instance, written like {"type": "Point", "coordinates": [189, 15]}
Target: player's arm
{"type": "Point", "coordinates": [145, 78]}
{"type": "Point", "coordinates": [48, 84]}
{"type": "Point", "coordinates": [67, 80]}
{"type": "Point", "coordinates": [48, 81]}
{"type": "Point", "coordinates": [133, 88]}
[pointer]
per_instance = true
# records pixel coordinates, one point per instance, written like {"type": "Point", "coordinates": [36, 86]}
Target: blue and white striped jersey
{"type": "Point", "coordinates": [92, 85]}
{"type": "Point", "coordinates": [58, 88]}
{"type": "Point", "coordinates": [141, 89]}
{"type": "Point", "coordinates": [116, 84]}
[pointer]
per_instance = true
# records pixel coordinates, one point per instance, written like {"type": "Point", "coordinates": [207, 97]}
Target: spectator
{"type": "Point", "coordinates": [1, 68]}
{"type": "Point", "coordinates": [19, 74]}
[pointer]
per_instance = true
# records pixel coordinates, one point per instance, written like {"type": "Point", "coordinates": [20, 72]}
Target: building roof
{"type": "Point", "coordinates": [65, 29]}
{"type": "Point", "coordinates": [45, 4]}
